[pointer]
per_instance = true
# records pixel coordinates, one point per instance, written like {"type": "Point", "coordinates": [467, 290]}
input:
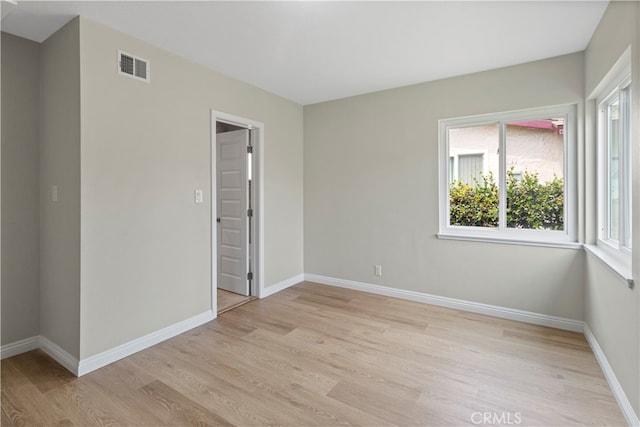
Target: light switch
{"type": "Point", "coordinates": [54, 193]}
{"type": "Point", "coordinates": [198, 196]}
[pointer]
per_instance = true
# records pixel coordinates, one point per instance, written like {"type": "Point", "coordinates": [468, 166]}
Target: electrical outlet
{"type": "Point", "coordinates": [377, 270]}
{"type": "Point", "coordinates": [54, 193]}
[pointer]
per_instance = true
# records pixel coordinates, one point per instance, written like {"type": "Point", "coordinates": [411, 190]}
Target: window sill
{"type": "Point", "coordinates": [615, 265]}
{"type": "Point", "coordinates": [510, 241]}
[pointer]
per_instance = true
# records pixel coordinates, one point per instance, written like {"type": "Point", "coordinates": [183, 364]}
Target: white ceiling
{"type": "Point", "coordinates": [311, 51]}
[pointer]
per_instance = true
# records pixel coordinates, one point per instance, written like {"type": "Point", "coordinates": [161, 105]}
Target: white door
{"type": "Point", "coordinates": [232, 209]}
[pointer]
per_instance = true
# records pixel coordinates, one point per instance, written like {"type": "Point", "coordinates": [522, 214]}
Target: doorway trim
{"type": "Point", "coordinates": [258, 208]}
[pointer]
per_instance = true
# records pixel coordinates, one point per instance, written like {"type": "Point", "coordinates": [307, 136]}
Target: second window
{"type": "Point", "coordinates": [508, 174]}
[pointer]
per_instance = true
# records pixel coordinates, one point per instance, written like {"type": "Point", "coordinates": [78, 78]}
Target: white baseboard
{"type": "Point", "coordinates": [18, 347]}
{"type": "Point", "coordinates": [614, 384]}
{"type": "Point", "coordinates": [55, 351]}
{"type": "Point", "coordinates": [59, 354]}
{"type": "Point", "coordinates": [270, 290]}
{"type": "Point", "coordinates": [505, 313]}
{"type": "Point", "coordinates": [474, 307]}
{"type": "Point", "coordinates": [107, 357]}
{"type": "Point", "coordinates": [97, 361]}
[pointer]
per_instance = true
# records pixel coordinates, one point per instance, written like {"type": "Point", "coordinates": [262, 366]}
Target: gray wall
{"type": "Point", "coordinates": [613, 310]}
{"type": "Point", "coordinates": [20, 201]}
{"type": "Point", "coordinates": [146, 251]}
{"type": "Point", "coordinates": [60, 165]}
{"type": "Point", "coordinates": [371, 192]}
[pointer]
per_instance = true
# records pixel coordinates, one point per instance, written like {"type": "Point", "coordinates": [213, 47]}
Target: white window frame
{"type": "Point", "coordinates": [619, 251]}
{"type": "Point", "coordinates": [503, 234]}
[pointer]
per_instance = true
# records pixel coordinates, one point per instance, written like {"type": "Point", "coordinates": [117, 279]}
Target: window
{"type": "Point", "coordinates": [509, 177]}
{"type": "Point", "coordinates": [470, 167]}
{"type": "Point", "coordinates": [466, 167]}
{"type": "Point", "coordinates": [614, 170]}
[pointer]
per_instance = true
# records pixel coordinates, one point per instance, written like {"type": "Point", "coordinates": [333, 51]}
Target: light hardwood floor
{"type": "Point", "coordinates": [314, 355]}
{"type": "Point", "coordinates": [229, 300]}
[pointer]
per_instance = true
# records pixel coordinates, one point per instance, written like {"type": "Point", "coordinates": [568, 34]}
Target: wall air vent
{"type": "Point", "coordinates": [132, 66]}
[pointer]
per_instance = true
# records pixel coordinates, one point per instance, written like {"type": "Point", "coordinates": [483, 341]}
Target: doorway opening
{"type": "Point", "coordinates": [236, 211]}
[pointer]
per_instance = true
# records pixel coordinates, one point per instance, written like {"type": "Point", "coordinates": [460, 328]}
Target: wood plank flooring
{"type": "Point", "coordinates": [229, 300]}
{"type": "Point", "coordinates": [315, 355]}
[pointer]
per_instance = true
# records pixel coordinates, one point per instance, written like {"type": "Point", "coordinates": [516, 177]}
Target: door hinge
{"type": "Point", "coordinates": [249, 149]}
{"type": "Point", "coordinates": [249, 276]}
{"type": "Point", "coordinates": [250, 212]}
